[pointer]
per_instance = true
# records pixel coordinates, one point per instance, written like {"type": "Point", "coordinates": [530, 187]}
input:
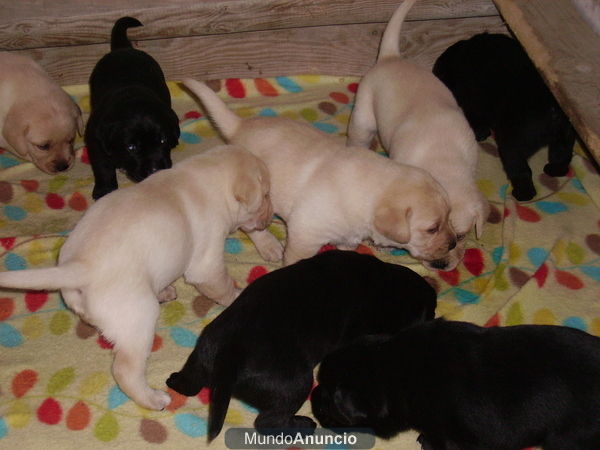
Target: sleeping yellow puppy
{"type": "Point", "coordinates": [119, 261]}
{"type": "Point", "coordinates": [329, 194]}
{"type": "Point", "coordinates": [420, 123]}
{"type": "Point", "coordinates": [38, 120]}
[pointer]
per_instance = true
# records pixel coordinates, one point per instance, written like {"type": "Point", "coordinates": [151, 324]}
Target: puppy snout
{"type": "Point", "coordinates": [61, 165]}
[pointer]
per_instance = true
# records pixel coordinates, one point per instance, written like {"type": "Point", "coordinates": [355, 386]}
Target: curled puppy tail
{"type": "Point", "coordinates": [223, 378]}
{"type": "Point", "coordinates": [226, 121]}
{"type": "Point", "coordinates": [67, 276]}
{"type": "Point", "coordinates": [118, 35]}
{"type": "Point", "coordinates": [390, 42]}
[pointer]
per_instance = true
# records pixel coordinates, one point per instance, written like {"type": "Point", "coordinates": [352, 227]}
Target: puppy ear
{"type": "Point", "coordinates": [15, 130]}
{"type": "Point", "coordinates": [393, 222]}
{"type": "Point", "coordinates": [78, 117]}
{"type": "Point", "coordinates": [174, 128]}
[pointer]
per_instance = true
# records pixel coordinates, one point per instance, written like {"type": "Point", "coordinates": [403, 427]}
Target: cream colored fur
{"type": "Point", "coordinates": [121, 258]}
{"type": "Point", "coordinates": [327, 193]}
{"type": "Point", "coordinates": [38, 120]}
{"type": "Point", "coordinates": [419, 123]}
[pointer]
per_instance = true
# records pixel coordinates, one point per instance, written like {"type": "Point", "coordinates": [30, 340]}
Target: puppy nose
{"type": "Point", "coordinates": [61, 166]}
{"type": "Point", "coordinates": [452, 244]}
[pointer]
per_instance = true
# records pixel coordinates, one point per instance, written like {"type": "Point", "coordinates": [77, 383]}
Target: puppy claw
{"type": "Point", "coordinates": [158, 400]}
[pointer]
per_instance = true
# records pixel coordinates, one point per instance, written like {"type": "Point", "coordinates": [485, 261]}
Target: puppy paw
{"type": "Point", "coordinates": [157, 400]}
{"type": "Point", "coordinates": [180, 384]}
{"type": "Point", "coordinates": [271, 250]}
{"type": "Point", "coordinates": [556, 170]}
{"type": "Point", "coordinates": [304, 424]}
{"type": "Point", "coordinates": [167, 294]}
{"type": "Point", "coordinates": [523, 190]}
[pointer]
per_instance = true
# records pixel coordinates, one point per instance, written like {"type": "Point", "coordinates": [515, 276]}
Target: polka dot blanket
{"type": "Point", "coordinates": [537, 262]}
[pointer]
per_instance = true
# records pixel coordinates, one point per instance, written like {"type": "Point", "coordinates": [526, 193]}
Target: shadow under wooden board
{"type": "Point", "coordinates": [566, 50]}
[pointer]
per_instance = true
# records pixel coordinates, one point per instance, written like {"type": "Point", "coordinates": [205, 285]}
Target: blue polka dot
{"type": "Point", "coordinates": [13, 261]}
{"type": "Point", "coordinates": [551, 207]}
{"type": "Point", "coordinates": [398, 252]}
{"type": "Point", "coordinates": [233, 246]}
{"type": "Point", "coordinates": [503, 190]}
{"type": "Point", "coordinates": [9, 335]}
{"type": "Point", "coordinates": [465, 297]}
{"type": "Point", "coordinates": [288, 84]}
{"type": "Point", "coordinates": [591, 271]}
{"type": "Point", "coordinates": [190, 425]}
{"type": "Point", "coordinates": [183, 337]}
{"type": "Point", "coordinates": [537, 256]}
{"type": "Point", "coordinates": [6, 161]}
{"type": "Point", "coordinates": [190, 138]}
{"type": "Point", "coordinates": [247, 407]}
{"type": "Point", "coordinates": [575, 322]}
{"type": "Point", "coordinates": [267, 112]}
{"type": "Point", "coordinates": [14, 212]}
{"type": "Point", "coordinates": [3, 428]}
{"type": "Point", "coordinates": [116, 397]}
{"type": "Point", "coordinates": [326, 127]}
{"type": "Point", "coordinates": [577, 185]}
{"type": "Point", "coordinates": [497, 254]}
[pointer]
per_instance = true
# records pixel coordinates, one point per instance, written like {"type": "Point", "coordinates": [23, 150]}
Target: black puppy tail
{"type": "Point", "coordinates": [224, 377]}
{"type": "Point", "coordinates": [118, 36]}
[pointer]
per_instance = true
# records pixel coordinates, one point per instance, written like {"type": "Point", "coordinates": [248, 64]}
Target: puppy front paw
{"type": "Point", "coordinates": [167, 294]}
{"type": "Point", "coordinates": [179, 383]}
{"type": "Point", "coordinates": [158, 400]}
{"type": "Point", "coordinates": [556, 170]}
{"type": "Point", "coordinates": [268, 247]}
{"type": "Point", "coordinates": [523, 190]}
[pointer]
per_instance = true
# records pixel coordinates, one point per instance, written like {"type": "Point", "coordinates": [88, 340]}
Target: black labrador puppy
{"type": "Point", "coordinates": [263, 348]}
{"type": "Point", "coordinates": [500, 90]}
{"type": "Point", "coordinates": [131, 126]}
{"type": "Point", "coordinates": [468, 387]}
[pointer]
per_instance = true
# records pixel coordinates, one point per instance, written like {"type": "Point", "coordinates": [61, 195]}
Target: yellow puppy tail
{"type": "Point", "coordinates": [67, 276]}
{"type": "Point", "coordinates": [226, 121]}
{"type": "Point", "coordinates": [390, 42]}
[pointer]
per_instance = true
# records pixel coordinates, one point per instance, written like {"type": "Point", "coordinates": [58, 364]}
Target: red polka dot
{"type": "Point", "coordinates": [326, 248]}
{"type": "Point", "coordinates": [78, 202]}
{"type": "Point", "coordinates": [493, 322]}
{"type": "Point", "coordinates": [30, 185]}
{"type": "Point", "coordinates": [35, 300]}
{"type": "Point", "coordinates": [541, 274]}
{"type": "Point", "coordinates": [339, 97]}
{"type": "Point", "coordinates": [49, 412]}
{"type": "Point", "coordinates": [192, 115]}
{"type": "Point", "coordinates": [23, 382]}
{"type": "Point", "coordinates": [103, 343]}
{"type": "Point", "coordinates": [473, 261]}
{"type": "Point", "coordinates": [235, 88]}
{"type": "Point", "coordinates": [7, 306]}
{"type": "Point", "coordinates": [451, 277]}
{"type": "Point", "coordinates": [568, 280]}
{"type": "Point", "coordinates": [55, 201]}
{"type": "Point", "coordinates": [255, 273]}
{"type": "Point", "coordinates": [204, 395]}
{"type": "Point", "coordinates": [353, 87]}
{"type": "Point", "coordinates": [7, 243]}
{"type": "Point", "coordinates": [527, 214]}
{"type": "Point", "coordinates": [85, 157]}
{"type": "Point", "coordinates": [158, 343]}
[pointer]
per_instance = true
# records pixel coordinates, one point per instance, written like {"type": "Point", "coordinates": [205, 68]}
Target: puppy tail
{"type": "Point", "coordinates": [67, 276]}
{"type": "Point", "coordinates": [223, 378]}
{"type": "Point", "coordinates": [226, 121]}
{"type": "Point", "coordinates": [118, 35]}
{"type": "Point", "coordinates": [390, 42]}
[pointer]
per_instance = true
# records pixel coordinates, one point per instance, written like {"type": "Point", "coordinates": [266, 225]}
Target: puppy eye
{"type": "Point", "coordinates": [434, 229]}
{"type": "Point", "coordinates": [163, 140]}
{"type": "Point", "coordinates": [45, 147]}
{"type": "Point", "coordinates": [460, 237]}
{"type": "Point", "coordinates": [131, 148]}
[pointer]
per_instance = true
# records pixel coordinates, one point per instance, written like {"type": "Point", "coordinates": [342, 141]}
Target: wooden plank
{"type": "Point", "coordinates": [333, 50]}
{"type": "Point", "coordinates": [28, 24]}
{"type": "Point", "coordinates": [566, 50]}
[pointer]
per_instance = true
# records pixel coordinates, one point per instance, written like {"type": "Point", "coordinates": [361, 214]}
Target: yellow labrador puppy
{"type": "Point", "coordinates": [120, 259]}
{"type": "Point", "coordinates": [38, 120]}
{"type": "Point", "coordinates": [420, 123]}
{"type": "Point", "coordinates": [327, 193]}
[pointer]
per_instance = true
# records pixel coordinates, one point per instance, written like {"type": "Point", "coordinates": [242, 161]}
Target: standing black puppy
{"type": "Point", "coordinates": [264, 346]}
{"type": "Point", "coordinates": [466, 387]}
{"type": "Point", "coordinates": [131, 126]}
{"type": "Point", "coordinates": [500, 90]}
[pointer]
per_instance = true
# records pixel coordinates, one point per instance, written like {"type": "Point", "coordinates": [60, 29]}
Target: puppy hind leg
{"type": "Point", "coordinates": [362, 126]}
{"type": "Point", "coordinates": [300, 246]}
{"type": "Point", "coordinates": [286, 396]}
{"type": "Point", "coordinates": [560, 151]}
{"type": "Point", "coordinates": [213, 281]}
{"type": "Point", "coordinates": [132, 347]}
{"type": "Point", "coordinates": [514, 162]}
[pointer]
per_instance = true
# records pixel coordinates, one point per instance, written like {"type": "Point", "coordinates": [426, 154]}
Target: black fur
{"type": "Point", "coordinates": [468, 387]}
{"type": "Point", "coordinates": [500, 90]}
{"type": "Point", "coordinates": [264, 347]}
{"type": "Point", "coordinates": [131, 125]}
